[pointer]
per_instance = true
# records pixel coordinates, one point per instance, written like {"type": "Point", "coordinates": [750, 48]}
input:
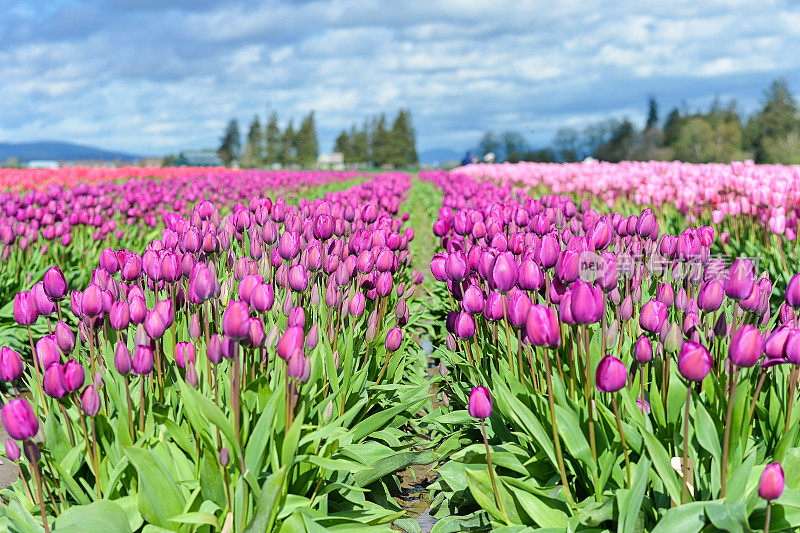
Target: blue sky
{"type": "Point", "coordinates": [153, 77]}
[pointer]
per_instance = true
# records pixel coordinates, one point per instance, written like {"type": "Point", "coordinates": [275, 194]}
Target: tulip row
{"type": "Point", "coordinates": [69, 177]}
{"type": "Point", "coordinates": [620, 375]}
{"type": "Point", "coordinates": [67, 226]}
{"type": "Point", "coordinates": [247, 371]}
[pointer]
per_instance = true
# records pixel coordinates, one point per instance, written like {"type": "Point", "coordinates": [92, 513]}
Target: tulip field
{"type": "Point", "coordinates": [529, 347]}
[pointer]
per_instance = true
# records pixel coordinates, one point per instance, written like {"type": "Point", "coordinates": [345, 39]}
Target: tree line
{"type": "Point", "coordinates": [268, 145]}
{"type": "Point", "coordinates": [378, 144]}
{"type": "Point", "coordinates": [721, 133]}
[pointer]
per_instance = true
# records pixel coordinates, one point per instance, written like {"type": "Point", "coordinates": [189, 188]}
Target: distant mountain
{"type": "Point", "coordinates": [59, 151]}
{"type": "Point", "coordinates": [440, 155]}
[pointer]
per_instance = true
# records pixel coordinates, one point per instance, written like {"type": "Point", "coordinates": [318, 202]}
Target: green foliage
{"type": "Point", "coordinates": [231, 142]}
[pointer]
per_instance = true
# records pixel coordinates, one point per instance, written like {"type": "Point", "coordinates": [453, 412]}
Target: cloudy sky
{"type": "Point", "coordinates": [153, 76]}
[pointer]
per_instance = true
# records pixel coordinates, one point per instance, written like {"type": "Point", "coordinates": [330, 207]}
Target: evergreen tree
{"type": "Point", "coordinates": [306, 142]}
{"type": "Point", "coordinates": [288, 150]}
{"type": "Point", "coordinates": [272, 136]}
{"type": "Point", "coordinates": [775, 128]}
{"type": "Point", "coordinates": [231, 143]}
{"type": "Point", "coordinates": [402, 144]}
{"type": "Point", "coordinates": [379, 141]}
{"type": "Point", "coordinates": [359, 145]}
{"type": "Point", "coordinates": [254, 150]}
{"type": "Point", "coordinates": [672, 127]}
{"type": "Point", "coordinates": [620, 145]}
{"type": "Point", "coordinates": [652, 113]}
{"type": "Point", "coordinates": [343, 145]}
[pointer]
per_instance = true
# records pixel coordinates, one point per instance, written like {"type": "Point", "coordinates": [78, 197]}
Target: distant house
{"type": "Point", "coordinates": [334, 161]}
{"type": "Point", "coordinates": [199, 159]}
{"type": "Point", "coordinates": [43, 163]}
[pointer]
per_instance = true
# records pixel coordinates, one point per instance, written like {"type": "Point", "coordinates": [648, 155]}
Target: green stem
{"type": "Point", "coordinates": [727, 438]}
{"type": "Point", "coordinates": [556, 438]}
{"type": "Point", "coordinates": [587, 389]}
{"type": "Point", "coordinates": [685, 465]}
{"type": "Point", "coordinates": [491, 469]}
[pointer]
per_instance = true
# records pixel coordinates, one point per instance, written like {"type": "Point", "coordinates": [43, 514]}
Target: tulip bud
{"type": "Point", "coordinates": [191, 375]}
{"type": "Point", "coordinates": [694, 361]}
{"type": "Point", "coordinates": [119, 316]}
{"type": "Point", "coordinates": [19, 419]}
{"type": "Point", "coordinates": [740, 283]}
{"type": "Point", "coordinates": [12, 450]}
{"type": "Point", "coordinates": [122, 359]}
{"type": "Point", "coordinates": [721, 326]}
{"type": "Point", "coordinates": [480, 403]}
{"type": "Point", "coordinates": [224, 457]}
{"type": "Point", "coordinates": [673, 339]}
{"type": "Point", "coordinates": [154, 324]}
{"type": "Point", "coordinates": [214, 349]}
{"type": "Point", "coordinates": [612, 333]}
{"type": "Point", "coordinates": [394, 338]}
{"type": "Point", "coordinates": [64, 337]}
{"type": "Point", "coordinates": [772, 482]}
{"type": "Point", "coordinates": [296, 364]}
{"type": "Point", "coordinates": [611, 374]}
{"type": "Point", "coordinates": [643, 350]}
{"type": "Point", "coordinates": [90, 400]}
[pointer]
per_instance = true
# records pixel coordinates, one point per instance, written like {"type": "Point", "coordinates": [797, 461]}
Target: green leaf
{"type": "Point", "coordinates": [728, 517]}
{"type": "Point", "coordinates": [481, 489]}
{"type": "Point", "coordinates": [289, 448]}
{"type": "Point", "coordinates": [160, 498]}
{"type": "Point", "coordinates": [662, 464]}
{"type": "Point", "coordinates": [267, 502]}
{"type": "Point", "coordinates": [688, 518]}
{"type": "Point", "coordinates": [101, 515]}
{"type": "Point", "coordinates": [629, 501]}
{"type": "Point", "coordinates": [196, 518]}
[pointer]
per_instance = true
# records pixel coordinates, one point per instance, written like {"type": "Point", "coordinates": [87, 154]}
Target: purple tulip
{"type": "Point", "coordinates": [542, 326]}
{"type": "Point", "coordinates": [64, 337]}
{"type": "Point", "coordinates": [611, 374]}
{"type": "Point", "coordinates": [652, 316]}
{"type": "Point", "coordinates": [586, 303]}
{"type": "Point", "coordinates": [90, 400]}
{"type": "Point", "coordinates": [143, 360]}
{"type": "Point", "coordinates": [480, 403]}
{"type": "Point", "coordinates": [643, 350]}
{"type": "Point", "coordinates": [53, 382]}
{"type": "Point", "coordinates": [772, 482]}
{"type": "Point", "coordinates": [235, 320]}
{"type": "Point", "coordinates": [740, 282]}
{"type": "Point", "coordinates": [19, 419]}
{"type": "Point", "coordinates": [55, 285]}
{"type": "Point", "coordinates": [10, 364]}
{"type": "Point", "coordinates": [92, 301]}
{"type": "Point", "coordinates": [184, 354]}
{"type": "Point", "coordinates": [394, 338]}
{"type": "Point", "coordinates": [291, 341]}
{"type": "Point", "coordinates": [504, 272]}
{"type": "Point", "coordinates": [214, 349]}
{"type": "Point", "coordinates": [746, 347]}
{"type": "Point", "coordinates": [74, 375]}
{"type": "Point", "coordinates": [12, 450]}
{"type": "Point", "coordinates": [122, 359]}
{"type": "Point", "coordinates": [694, 361]}
{"type": "Point", "coordinates": [793, 293]}
{"type": "Point", "coordinates": [25, 311]}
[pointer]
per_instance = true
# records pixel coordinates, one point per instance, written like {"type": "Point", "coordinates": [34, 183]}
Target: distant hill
{"type": "Point", "coordinates": [59, 151]}
{"type": "Point", "coordinates": [440, 155]}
